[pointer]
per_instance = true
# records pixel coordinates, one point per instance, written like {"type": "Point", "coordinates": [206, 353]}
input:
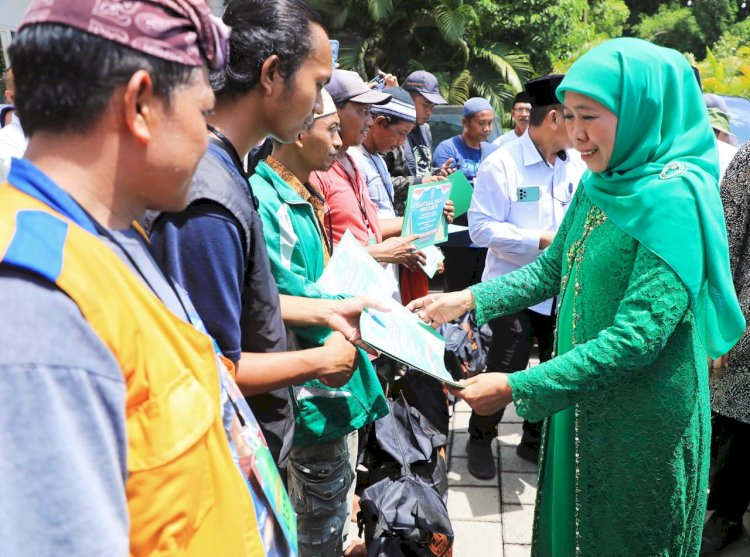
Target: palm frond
{"type": "Point", "coordinates": [380, 9]}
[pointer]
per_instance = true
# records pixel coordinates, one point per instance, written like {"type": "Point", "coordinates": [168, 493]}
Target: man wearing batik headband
{"type": "Point", "coordinates": [111, 401]}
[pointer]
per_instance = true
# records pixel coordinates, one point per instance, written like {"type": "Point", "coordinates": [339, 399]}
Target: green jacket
{"type": "Point", "coordinates": [322, 413]}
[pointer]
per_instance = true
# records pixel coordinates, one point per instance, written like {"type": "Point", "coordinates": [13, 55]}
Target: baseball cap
{"type": "Point", "coordinates": [348, 86]}
{"type": "Point", "coordinates": [425, 83]}
{"type": "Point", "coordinates": [719, 120]}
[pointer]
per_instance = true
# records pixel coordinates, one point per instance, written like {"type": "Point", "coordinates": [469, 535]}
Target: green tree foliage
{"type": "Point", "coordinates": [548, 30]}
{"type": "Point", "coordinates": [714, 17]}
{"type": "Point", "coordinates": [444, 37]}
{"type": "Point", "coordinates": [728, 75]}
{"type": "Point", "coordinates": [608, 17]}
{"type": "Point", "coordinates": [674, 27]}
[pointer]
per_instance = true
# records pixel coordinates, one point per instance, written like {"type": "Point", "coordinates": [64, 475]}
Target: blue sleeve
{"type": "Point", "coordinates": [62, 428]}
{"type": "Point", "coordinates": [443, 152]}
{"type": "Point", "coordinates": [201, 248]}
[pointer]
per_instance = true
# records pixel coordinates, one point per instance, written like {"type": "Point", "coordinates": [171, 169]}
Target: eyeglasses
{"type": "Point", "coordinates": [522, 110]}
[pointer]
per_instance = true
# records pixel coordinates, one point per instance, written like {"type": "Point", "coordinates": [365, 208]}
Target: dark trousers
{"type": "Point", "coordinates": [463, 267]}
{"type": "Point", "coordinates": [512, 338]}
{"type": "Point", "coordinates": [730, 486]}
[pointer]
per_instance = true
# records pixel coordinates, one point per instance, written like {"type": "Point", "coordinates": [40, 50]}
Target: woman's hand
{"type": "Point", "coordinates": [436, 309]}
{"type": "Point", "coordinates": [486, 393]}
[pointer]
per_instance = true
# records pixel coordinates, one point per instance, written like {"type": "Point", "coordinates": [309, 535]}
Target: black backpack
{"type": "Point", "coordinates": [466, 346]}
{"type": "Point", "coordinates": [403, 513]}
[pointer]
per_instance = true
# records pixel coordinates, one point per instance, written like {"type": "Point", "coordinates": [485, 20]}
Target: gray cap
{"type": "Point", "coordinates": [425, 83]}
{"type": "Point", "coordinates": [347, 86]}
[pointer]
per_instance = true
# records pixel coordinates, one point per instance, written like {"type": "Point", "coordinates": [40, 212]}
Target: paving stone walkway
{"type": "Point", "coordinates": [492, 518]}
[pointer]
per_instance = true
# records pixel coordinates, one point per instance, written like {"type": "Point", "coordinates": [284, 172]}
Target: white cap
{"type": "Point", "coordinates": [328, 106]}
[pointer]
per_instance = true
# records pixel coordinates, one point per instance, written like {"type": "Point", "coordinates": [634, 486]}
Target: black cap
{"type": "Point", "coordinates": [522, 97]}
{"type": "Point", "coordinates": [542, 89]}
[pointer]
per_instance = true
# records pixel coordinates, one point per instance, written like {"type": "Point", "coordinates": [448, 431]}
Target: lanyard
{"type": "Point", "coordinates": [30, 180]}
{"type": "Point", "coordinates": [385, 179]}
{"type": "Point", "coordinates": [358, 195]}
{"type": "Point", "coordinates": [223, 143]}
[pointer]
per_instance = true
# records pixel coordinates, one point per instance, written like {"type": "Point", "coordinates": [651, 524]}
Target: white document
{"type": "Point", "coordinates": [353, 271]}
{"type": "Point", "coordinates": [434, 258]}
{"type": "Point", "coordinates": [402, 336]}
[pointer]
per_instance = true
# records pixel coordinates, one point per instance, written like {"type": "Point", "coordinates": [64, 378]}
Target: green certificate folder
{"type": "Point", "coordinates": [460, 192]}
{"type": "Point", "coordinates": [424, 213]}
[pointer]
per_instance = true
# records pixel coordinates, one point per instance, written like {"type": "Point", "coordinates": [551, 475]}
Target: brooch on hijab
{"type": "Point", "coordinates": [672, 169]}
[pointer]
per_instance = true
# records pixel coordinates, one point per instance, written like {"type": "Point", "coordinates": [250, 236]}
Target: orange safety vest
{"type": "Point", "coordinates": [185, 494]}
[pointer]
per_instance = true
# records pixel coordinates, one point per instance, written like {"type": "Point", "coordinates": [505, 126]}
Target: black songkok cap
{"type": "Point", "coordinates": [542, 90]}
{"type": "Point", "coordinates": [522, 97]}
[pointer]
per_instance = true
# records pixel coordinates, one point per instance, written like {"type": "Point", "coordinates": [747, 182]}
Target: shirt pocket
{"type": "Point", "coordinates": [525, 209]}
{"type": "Point", "coordinates": [171, 486]}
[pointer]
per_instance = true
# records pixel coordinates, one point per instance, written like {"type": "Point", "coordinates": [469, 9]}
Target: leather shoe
{"type": "Point", "coordinates": [481, 460]}
{"type": "Point", "coordinates": [528, 452]}
{"type": "Point", "coordinates": [719, 532]}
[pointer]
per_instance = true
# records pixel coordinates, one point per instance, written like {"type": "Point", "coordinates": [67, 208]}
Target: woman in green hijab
{"type": "Point", "coordinates": [640, 266]}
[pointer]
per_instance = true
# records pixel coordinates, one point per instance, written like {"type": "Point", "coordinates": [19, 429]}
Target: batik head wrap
{"type": "Point", "coordinates": [661, 186]}
{"type": "Point", "coordinates": [182, 31]}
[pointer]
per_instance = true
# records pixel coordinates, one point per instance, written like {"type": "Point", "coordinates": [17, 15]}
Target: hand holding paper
{"type": "Point", "coordinates": [436, 309]}
{"type": "Point", "coordinates": [486, 393]}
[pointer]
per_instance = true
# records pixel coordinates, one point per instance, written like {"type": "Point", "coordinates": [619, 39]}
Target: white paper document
{"type": "Point", "coordinates": [353, 271]}
{"type": "Point", "coordinates": [402, 336]}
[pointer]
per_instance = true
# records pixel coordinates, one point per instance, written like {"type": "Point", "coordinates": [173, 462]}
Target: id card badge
{"type": "Point", "coordinates": [527, 194]}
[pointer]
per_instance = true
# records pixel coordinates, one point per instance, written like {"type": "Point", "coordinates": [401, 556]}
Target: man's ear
{"type": "Point", "coordinates": [554, 117]}
{"type": "Point", "coordinates": [139, 106]}
{"type": "Point", "coordinates": [270, 74]}
{"type": "Point", "coordinates": [300, 141]}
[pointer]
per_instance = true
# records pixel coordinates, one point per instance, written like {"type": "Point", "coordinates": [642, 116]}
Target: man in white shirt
{"type": "Point", "coordinates": [520, 197]}
{"type": "Point", "coordinates": [12, 139]}
{"type": "Point", "coordinates": [521, 112]}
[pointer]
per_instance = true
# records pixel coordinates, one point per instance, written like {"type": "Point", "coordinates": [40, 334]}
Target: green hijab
{"type": "Point", "coordinates": [661, 186]}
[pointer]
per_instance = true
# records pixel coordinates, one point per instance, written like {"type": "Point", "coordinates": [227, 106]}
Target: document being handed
{"type": "Point", "coordinates": [402, 336]}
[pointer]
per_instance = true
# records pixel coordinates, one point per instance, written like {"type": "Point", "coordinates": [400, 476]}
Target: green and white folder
{"type": "Point", "coordinates": [424, 213]}
{"type": "Point", "coordinates": [400, 335]}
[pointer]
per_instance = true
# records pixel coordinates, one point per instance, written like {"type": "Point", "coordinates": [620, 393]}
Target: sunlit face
{"type": "Point", "coordinates": [424, 108]}
{"type": "Point", "coordinates": [321, 143]}
{"type": "Point", "coordinates": [592, 128]}
{"type": "Point", "coordinates": [301, 96]}
{"type": "Point", "coordinates": [178, 141]}
{"type": "Point", "coordinates": [479, 126]}
{"type": "Point", "coordinates": [355, 123]}
{"type": "Point", "coordinates": [521, 113]}
{"type": "Point", "coordinates": [389, 136]}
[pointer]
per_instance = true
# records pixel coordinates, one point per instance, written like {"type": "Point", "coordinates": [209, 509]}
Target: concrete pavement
{"type": "Point", "coordinates": [493, 518]}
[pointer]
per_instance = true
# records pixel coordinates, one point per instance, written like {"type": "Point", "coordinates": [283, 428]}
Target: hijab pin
{"type": "Point", "coordinates": [672, 169]}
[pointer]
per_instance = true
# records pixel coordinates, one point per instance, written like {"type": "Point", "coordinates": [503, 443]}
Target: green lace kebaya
{"type": "Point", "coordinates": [623, 467]}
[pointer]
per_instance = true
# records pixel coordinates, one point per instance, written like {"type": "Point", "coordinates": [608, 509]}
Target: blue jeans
{"type": "Point", "coordinates": [319, 478]}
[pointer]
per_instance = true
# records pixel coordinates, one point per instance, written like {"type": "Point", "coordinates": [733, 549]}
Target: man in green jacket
{"type": "Point", "coordinates": [323, 452]}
